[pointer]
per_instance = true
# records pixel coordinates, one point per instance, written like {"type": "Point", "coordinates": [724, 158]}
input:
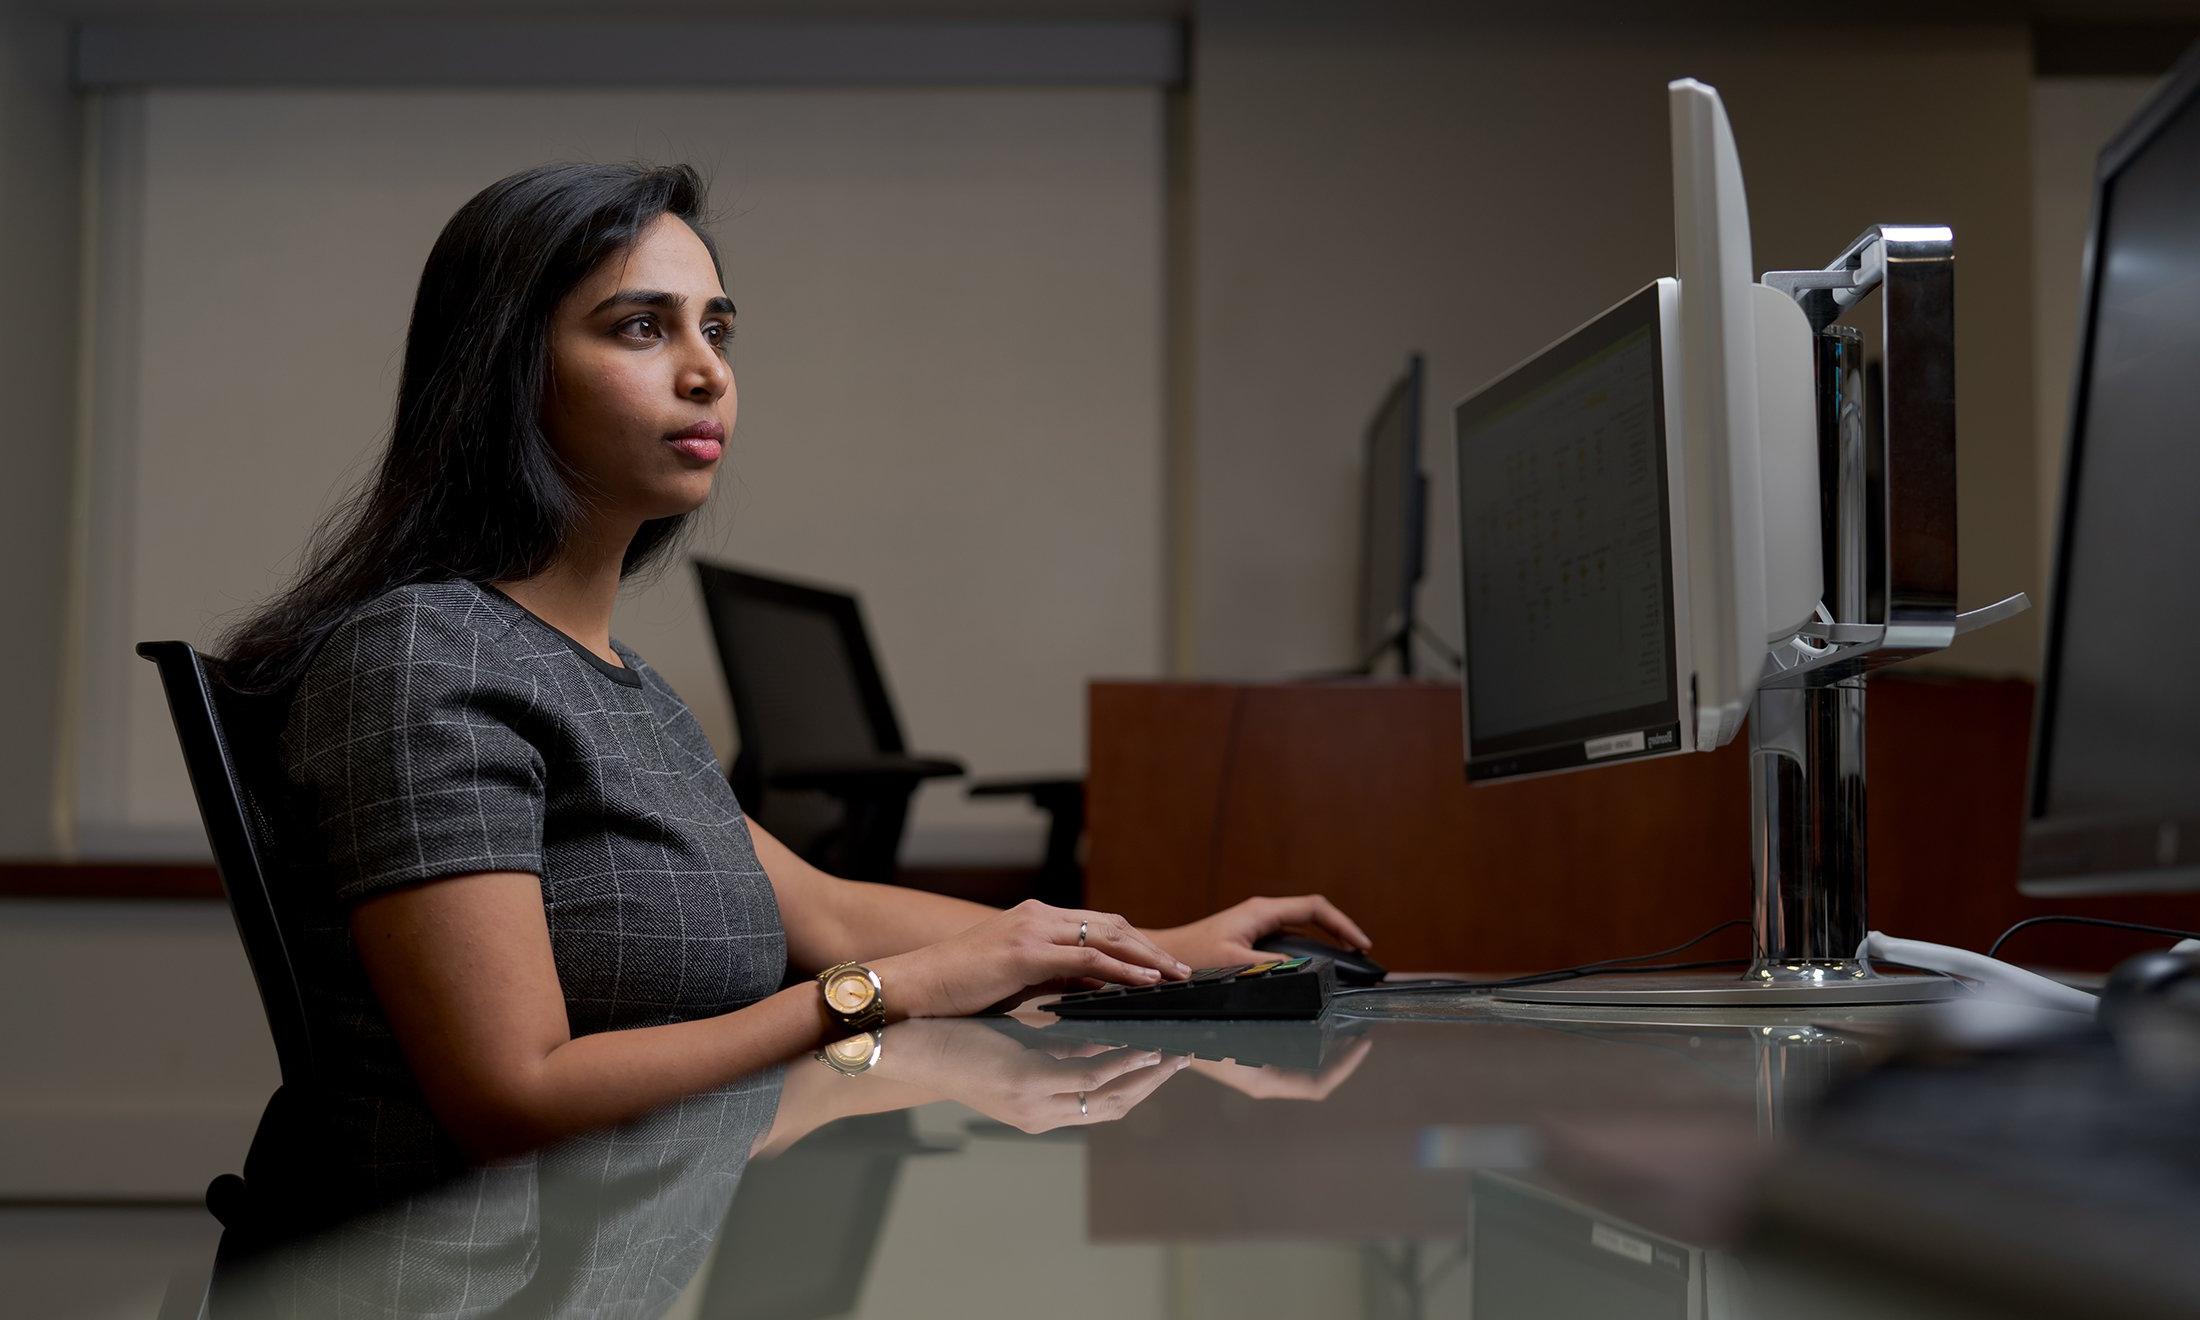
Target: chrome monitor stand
{"type": "Point", "coordinates": [1890, 572]}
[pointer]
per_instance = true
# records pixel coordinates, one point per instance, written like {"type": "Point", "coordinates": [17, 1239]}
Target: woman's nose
{"type": "Point", "coordinates": [707, 378]}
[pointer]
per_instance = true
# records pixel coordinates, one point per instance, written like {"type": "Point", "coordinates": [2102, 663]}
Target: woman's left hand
{"type": "Point", "coordinates": [1233, 935]}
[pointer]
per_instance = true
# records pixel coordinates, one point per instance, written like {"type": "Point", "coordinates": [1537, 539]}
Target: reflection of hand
{"type": "Point", "coordinates": [1286, 1083]}
{"type": "Point", "coordinates": [1033, 1090]}
{"type": "Point", "coordinates": [1233, 935]}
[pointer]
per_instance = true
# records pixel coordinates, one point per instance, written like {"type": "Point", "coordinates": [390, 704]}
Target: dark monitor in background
{"type": "Point", "coordinates": [1393, 517]}
{"type": "Point", "coordinates": [1537, 1255]}
{"type": "Point", "coordinates": [2115, 797]}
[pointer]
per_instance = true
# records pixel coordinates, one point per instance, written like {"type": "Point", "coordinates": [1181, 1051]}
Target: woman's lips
{"type": "Point", "coordinates": [698, 448]}
{"type": "Point", "coordinates": [700, 443]}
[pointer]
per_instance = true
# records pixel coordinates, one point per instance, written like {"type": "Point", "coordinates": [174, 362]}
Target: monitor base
{"type": "Point", "coordinates": [1653, 990]}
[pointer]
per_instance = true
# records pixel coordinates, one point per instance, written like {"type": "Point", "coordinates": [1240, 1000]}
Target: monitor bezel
{"type": "Point", "coordinates": [2047, 867]}
{"type": "Point", "coordinates": [1563, 748]}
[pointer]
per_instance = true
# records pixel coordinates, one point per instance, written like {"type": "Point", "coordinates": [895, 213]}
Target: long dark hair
{"type": "Point", "coordinates": [470, 486]}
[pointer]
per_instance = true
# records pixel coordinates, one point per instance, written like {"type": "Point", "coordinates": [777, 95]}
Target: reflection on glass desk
{"type": "Point", "coordinates": [1498, 1164]}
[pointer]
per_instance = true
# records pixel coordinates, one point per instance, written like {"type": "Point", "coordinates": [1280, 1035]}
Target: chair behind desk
{"type": "Point", "coordinates": [223, 768]}
{"type": "Point", "coordinates": [823, 764]}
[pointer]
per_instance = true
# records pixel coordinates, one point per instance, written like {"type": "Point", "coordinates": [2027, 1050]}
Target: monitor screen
{"type": "Point", "coordinates": [1566, 570]}
{"type": "Point", "coordinates": [2116, 786]}
{"type": "Point", "coordinates": [1390, 514]}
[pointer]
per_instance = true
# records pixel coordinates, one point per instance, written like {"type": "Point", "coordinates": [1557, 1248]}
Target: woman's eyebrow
{"type": "Point", "coordinates": [671, 302]}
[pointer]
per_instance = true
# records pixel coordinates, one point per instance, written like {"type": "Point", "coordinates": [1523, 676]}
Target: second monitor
{"type": "Point", "coordinates": [1393, 524]}
{"type": "Point", "coordinates": [1567, 506]}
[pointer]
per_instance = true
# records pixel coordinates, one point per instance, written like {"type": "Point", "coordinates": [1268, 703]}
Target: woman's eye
{"type": "Point", "coordinates": [643, 326]}
{"type": "Point", "coordinates": [719, 334]}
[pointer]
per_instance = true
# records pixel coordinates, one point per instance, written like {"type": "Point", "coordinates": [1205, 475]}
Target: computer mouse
{"type": "Point", "coordinates": [1353, 967]}
{"type": "Point", "coordinates": [2167, 977]}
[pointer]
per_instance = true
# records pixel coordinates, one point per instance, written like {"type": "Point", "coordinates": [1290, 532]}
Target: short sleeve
{"type": "Point", "coordinates": [406, 746]}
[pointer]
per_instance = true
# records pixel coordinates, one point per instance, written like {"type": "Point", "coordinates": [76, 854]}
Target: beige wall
{"type": "Point", "coordinates": [41, 139]}
{"type": "Point", "coordinates": [950, 368]}
{"type": "Point", "coordinates": [137, 1059]}
{"type": "Point", "coordinates": [1475, 190]}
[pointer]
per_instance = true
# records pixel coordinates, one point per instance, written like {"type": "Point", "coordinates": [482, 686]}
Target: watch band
{"type": "Point", "coordinates": [867, 1015]}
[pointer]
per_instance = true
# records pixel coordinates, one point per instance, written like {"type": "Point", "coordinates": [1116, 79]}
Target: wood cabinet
{"type": "Point", "coordinates": [1202, 793]}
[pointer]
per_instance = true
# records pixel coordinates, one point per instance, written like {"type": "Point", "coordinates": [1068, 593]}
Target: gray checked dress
{"type": "Point", "coordinates": [444, 730]}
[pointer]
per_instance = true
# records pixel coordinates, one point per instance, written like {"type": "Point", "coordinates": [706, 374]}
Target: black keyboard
{"type": "Point", "coordinates": [1280, 988]}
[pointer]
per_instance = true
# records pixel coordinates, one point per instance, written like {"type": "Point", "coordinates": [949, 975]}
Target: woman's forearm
{"type": "Point", "coordinates": [883, 920]}
{"type": "Point", "coordinates": [611, 1077]}
{"type": "Point", "coordinates": [829, 920]}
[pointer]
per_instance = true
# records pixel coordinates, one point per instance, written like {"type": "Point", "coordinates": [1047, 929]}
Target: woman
{"type": "Point", "coordinates": [534, 906]}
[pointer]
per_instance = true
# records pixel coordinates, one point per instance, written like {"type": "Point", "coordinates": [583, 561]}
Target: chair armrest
{"type": "Point", "coordinates": [858, 777]}
{"type": "Point", "coordinates": [1045, 792]}
{"type": "Point", "coordinates": [1061, 877]}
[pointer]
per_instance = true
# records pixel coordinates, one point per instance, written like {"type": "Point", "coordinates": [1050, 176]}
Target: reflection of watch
{"type": "Point", "coordinates": [853, 996]}
{"type": "Point", "coordinates": [855, 1054]}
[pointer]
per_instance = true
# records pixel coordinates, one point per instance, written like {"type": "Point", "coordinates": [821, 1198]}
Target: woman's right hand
{"type": "Point", "coordinates": [1031, 949]}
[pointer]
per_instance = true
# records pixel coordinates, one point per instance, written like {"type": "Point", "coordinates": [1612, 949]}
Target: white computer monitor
{"type": "Point", "coordinates": [1638, 502]}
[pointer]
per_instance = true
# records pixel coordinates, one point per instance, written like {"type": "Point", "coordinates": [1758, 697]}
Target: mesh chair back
{"type": "Point", "coordinates": [226, 751]}
{"type": "Point", "coordinates": [799, 667]}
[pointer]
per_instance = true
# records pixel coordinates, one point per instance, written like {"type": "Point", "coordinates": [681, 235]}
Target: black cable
{"type": "Point", "coordinates": [1536, 978]}
{"type": "Point", "coordinates": [1445, 651]}
{"type": "Point", "coordinates": [1684, 947]}
{"type": "Point", "coordinates": [1695, 966]}
{"type": "Point", "coordinates": [2139, 926]}
{"type": "Point", "coordinates": [1418, 983]}
{"type": "Point", "coordinates": [1560, 974]}
{"type": "Point", "coordinates": [1665, 967]}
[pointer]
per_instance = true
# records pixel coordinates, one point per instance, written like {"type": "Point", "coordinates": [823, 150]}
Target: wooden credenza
{"type": "Point", "coordinates": [1203, 793]}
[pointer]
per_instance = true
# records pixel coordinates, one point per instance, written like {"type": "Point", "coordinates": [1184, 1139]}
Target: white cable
{"type": "Point", "coordinates": [1809, 649]}
{"type": "Point", "coordinates": [1995, 978]}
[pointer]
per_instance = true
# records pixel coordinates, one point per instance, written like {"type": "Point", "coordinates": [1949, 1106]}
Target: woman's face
{"type": "Point", "coordinates": [641, 398]}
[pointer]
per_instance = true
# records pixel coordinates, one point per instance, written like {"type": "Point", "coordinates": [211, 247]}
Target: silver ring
{"type": "Point", "coordinates": [1081, 1105]}
{"type": "Point", "coordinates": [1081, 931]}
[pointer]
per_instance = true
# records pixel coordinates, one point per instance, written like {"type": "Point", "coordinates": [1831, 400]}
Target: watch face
{"type": "Point", "coordinates": [849, 992]}
{"type": "Point", "coordinates": [854, 1052]}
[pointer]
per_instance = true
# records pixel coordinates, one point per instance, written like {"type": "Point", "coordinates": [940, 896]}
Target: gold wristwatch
{"type": "Point", "coordinates": [853, 996]}
{"type": "Point", "coordinates": [853, 1055]}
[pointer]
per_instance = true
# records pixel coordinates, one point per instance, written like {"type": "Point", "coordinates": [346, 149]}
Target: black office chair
{"type": "Point", "coordinates": [225, 750]}
{"type": "Point", "coordinates": [822, 763]}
